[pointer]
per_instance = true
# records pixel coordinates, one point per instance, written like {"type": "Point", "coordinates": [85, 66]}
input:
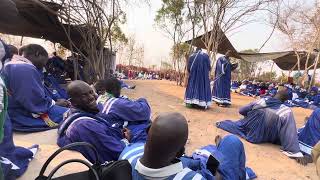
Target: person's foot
{"type": "Point", "coordinates": [304, 160]}
{"type": "Point", "coordinates": [133, 87]}
{"type": "Point", "coordinates": [34, 149]}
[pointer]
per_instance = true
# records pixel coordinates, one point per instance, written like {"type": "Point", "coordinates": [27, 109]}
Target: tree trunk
{"type": "Point", "coordinates": [314, 71]}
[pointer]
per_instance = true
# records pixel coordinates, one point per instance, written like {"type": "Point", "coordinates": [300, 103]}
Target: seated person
{"type": "Point", "coordinates": [271, 92]}
{"type": "Point", "coordinates": [30, 108]}
{"type": "Point", "coordinates": [309, 134]}
{"type": "Point", "coordinates": [53, 88]}
{"type": "Point", "coordinates": [243, 86]}
{"type": "Point", "coordinates": [84, 124]}
{"type": "Point", "coordinates": [313, 98]}
{"type": "Point", "coordinates": [162, 156]}
{"type": "Point", "coordinates": [13, 160]}
{"type": "Point", "coordinates": [135, 115]}
{"type": "Point", "coordinates": [234, 86]}
{"type": "Point", "coordinates": [267, 120]}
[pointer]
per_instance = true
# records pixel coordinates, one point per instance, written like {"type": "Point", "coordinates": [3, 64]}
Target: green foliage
{"type": "Point", "coordinates": [180, 50]}
{"type": "Point", "coordinates": [118, 35]}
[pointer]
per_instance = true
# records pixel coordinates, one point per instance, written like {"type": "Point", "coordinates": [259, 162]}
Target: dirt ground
{"type": "Point", "coordinates": [265, 159]}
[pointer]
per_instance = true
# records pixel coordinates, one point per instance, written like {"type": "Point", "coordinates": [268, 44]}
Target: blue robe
{"type": "Point", "coordinates": [135, 115]}
{"type": "Point", "coordinates": [30, 108]}
{"type": "Point", "coordinates": [53, 88]}
{"type": "Point", "coordinates": [198, 89]}
{"type": "Point", "coordinates": [222, 83]}
{"type": "Point", "coordinates": [309, 135]}
{"type": "Point", "coordinates": [266, 121]}
{"type": "Point", "coordinates": [14, 160]}
{"type": "Point", "coordinates": [91, 128]}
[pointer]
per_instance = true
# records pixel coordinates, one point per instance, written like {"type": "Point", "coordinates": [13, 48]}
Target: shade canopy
{"type": "Point", "coordinates": [285, 60]}
{"type": "Point", "coordinates": [26, 18]}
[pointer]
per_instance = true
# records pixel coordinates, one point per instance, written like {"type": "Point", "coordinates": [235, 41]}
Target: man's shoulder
{"type": "Point", "coordinates": [132, 150]}
{"type": "Point", "coordinates": [20, 66]}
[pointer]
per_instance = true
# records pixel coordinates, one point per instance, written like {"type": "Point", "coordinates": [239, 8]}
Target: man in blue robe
{"type": "Point", "coordinates": [222, 81]}
{"type": "Point", "coordinates": [30, 108]}
{"type": "Point", "coordinates": [267, 120]}
{"type": "Point", "coordinates": [163, 156]}
{"type": "Point", "coordinates": [132, 114]}
{"type": "Point", "coordinates": [13, 160]}
{"type": "Point", "coordinates": [198, 92]}
{"type": "Point", "coordinates": [84, 124]}
{"type": "Point", "coordinates": [309, 134]}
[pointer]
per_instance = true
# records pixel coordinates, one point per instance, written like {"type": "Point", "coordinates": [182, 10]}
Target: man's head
{"type": "Point", "coordinates": [82, 96]}
{"type": "Point", "coordinates": [36, 54]}
{"type": "Point", "coordinates": [12, 51]}
{"type": "Point", "coordinates": [282, 95]}
{"type": "Point", "coordinates": [100, 87]}
{"type": "Point", "coordinates": [167, 137]}
{"type": "Point", "coordinates": [228, 53]}
{"type": "Point", "coordinates": [113, 86]}
{"type": "Point", "coordinates": [54, 53]}
{"type": "Point", "coordinates": [314, 91]}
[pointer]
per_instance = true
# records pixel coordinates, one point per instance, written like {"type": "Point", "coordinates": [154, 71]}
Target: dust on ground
{"type": "Point", "coordinates": [164, 96]}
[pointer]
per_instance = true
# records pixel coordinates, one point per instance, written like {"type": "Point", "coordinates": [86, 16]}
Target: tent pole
{"type": "Point", "coordinates": [314, 71]}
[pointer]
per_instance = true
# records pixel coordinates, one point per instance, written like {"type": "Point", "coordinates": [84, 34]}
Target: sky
{"type": "Point", "coordinates": [140, 23]}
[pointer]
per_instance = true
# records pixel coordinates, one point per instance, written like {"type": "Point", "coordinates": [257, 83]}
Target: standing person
{"type": "Point", "coordinates": [198, 91]}
{"type": "Point", "coordinates": [222, 84]}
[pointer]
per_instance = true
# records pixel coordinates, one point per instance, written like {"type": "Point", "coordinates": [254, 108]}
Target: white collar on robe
{"type": "Point", "coordinates": [16, 59]}
{"type": "Point", "coordinates": [161, 173]}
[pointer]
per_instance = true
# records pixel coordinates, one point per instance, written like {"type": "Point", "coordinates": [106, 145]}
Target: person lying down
{"type": "Point", "coordinates": [163, 154]}
{"type": "Point", "coordinates": [267, 120]}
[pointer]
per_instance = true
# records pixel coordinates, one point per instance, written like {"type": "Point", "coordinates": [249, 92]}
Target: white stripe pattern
{"type": "Point", "coordinates": [132, 151]}
{"type": "Point", "coordinates": [76, 120]}
{"type": "Point", "coordinates": [197, 177]}
{"type": "Point", "coordinates": [135, 157]}
{"type": "Point", "coordinates": [182, 174]}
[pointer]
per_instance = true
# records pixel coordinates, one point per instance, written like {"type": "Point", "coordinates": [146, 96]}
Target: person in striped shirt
{"type": "Point", "coordinates": [163, 157]}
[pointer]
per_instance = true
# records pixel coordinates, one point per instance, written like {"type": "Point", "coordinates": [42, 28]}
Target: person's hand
{"type": "Point", "coordinates": [304, 160]}
{"type": "Point", "coordinates": [63, 103]}
{"type": "Point", "coordinates": [126, 134]}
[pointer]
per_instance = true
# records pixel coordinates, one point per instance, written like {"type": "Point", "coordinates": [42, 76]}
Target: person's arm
{"type": "Point", "coordinates": [27, 89]}
{"type": "Point", "coordinates": [245, 109]}
{"type": "Point", "coordinates": [128, 110]}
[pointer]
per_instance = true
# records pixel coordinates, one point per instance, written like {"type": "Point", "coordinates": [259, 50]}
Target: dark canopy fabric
{"type": "Point", "coordinates": [286, 60]}
{"type": "Point", "coordinates": [223, 47]}
{"type": "Point", "coordinates": [25, 18]}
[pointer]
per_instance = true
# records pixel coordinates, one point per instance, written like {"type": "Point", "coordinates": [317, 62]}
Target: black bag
{"type": "Point", "coordinates": [117, 170]}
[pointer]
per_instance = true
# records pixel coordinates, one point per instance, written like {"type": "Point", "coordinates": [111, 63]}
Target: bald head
{"type": "Point", "coordinates": [166, 140]}
{"type": "Point", "coordinates": [282, 95]}
{"type": "Point", "coordinates": [82, 96]}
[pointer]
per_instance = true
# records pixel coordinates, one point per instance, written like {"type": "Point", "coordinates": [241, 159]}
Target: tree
{"type": "Point", "coordinates": [172, 19]}
{"type": "Point", "coordinates": [225, 16]}
{"type": "Point", "coordinates": [179, 53]}
{"type": "Point", "coordinates": [300, 23]}
{"type": "Point", "coordinates": [98, 23]}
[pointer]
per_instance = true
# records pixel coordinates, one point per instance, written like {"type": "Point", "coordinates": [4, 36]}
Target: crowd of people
{"type": "Point", "coordinates": [266, 120]}
{"type": "Point", "coordinates": [31, 100]}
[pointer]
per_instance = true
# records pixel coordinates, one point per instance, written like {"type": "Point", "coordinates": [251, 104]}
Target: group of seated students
{"type": "Point", "coordinates": [121, 128]}
{"type": "Point", "coordinates": [298, 97]}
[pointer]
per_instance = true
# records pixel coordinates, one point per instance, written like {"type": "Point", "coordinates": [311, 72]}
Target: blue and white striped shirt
{"type": "Point", "coordinates": [134, 152]}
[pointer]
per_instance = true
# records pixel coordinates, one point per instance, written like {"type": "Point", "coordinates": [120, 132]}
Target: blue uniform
{"type": "Point", "coordinates": [230, 153]}
{"type": "Point", "coordinates": [309, 135]}
{"type": "Point", "coordinates": [30, 108]}
{"type": "Point", "coordinates": [266, 120]}
{"type": "Point", "coordinates": [222, 84]}
{"type": "Point", "coordinates": [91, 128]}
{"type": "Point", "coordinates": [135, 115]}
{"type": "Point", "coordinates": [198, 89]}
